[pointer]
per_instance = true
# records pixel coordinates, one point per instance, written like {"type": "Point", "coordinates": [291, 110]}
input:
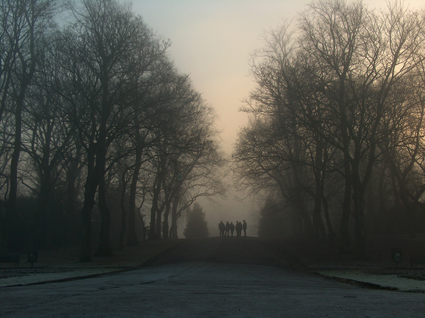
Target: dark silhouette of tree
{"type": "Point", "coordinates": [272, 221]}
{"type": "Point", "coordinates": [23, 27]}
{"type": "Point", "coordinates": [184, 155]}
{"type": "Point", "coordinates": [196, 226]}
{"type": "Point", "coordinates": [326, 97]}
{"type": "Point", "coordinates": [92, 109]}
{"type": "Point", "coordinates": [150, 100]}
{"type": "Point", "coordinates": [109, 52]}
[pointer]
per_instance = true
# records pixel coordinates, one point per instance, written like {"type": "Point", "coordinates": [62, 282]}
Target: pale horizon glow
{"type": "Point", "coordinates": [213, 41]}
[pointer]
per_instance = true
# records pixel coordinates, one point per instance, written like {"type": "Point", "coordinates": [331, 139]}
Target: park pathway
{"type": "Point", "coordinates": [217, 277]}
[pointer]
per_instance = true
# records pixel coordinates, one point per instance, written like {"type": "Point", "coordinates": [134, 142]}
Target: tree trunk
{"type": "Point", "coordinates": [89, 194]}
{"type": "Point", "coordinates": [40, 222]}
{"type": "Point", "coordinates": [359, 217]}
{"type": "Point", "coordinates": [132, 236]}
{"type": "Point", "coordinates": [3, 228]}
{"type": "Point", "coordinates": [345, 220]}
{"type": "Point", "coordinates": [153, 234]}
{"type": "Point", "coordinates": [72, 173]}
{"type": "Point", "coordinates": [11, 202]}
{"type": "Point", "coordinates": [158, 224]}
{"type": "Point", "coordinates": [123, 187]}
{"type": "Point", "coordinates": [42, 210]}
{"type": "Point", "coordinates": [165, 234]}
{"type": "Point", "coordinates": [105, 244]}
{"type": "Point", "coordinates": [359, 228]}
{"type": "Point", "coordinates": [173, 229]}
{"type": "Point", "coordinates": [85, 255]}
{"type": "Point", "coordinates": [346, 208]}
{"type": "Point", "coordinates": [318, 226]}
{"type": "Point", "coordinates": [152, 225]}
{"type": "Point", "coordinates": [331, 233]}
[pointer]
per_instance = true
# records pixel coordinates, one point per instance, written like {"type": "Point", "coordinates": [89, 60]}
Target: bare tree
{"type": "Point", "coordinates": [365, 56]}
{"type": "Point", "coordinates": [332, 85]}
{"type": "Point", "coordinates": [183, 136]}
{"type": "Point", "coordinates": [45, 140]}
{"type": "Point", "coordinates": [24, 24]}
{"type": "Point", "coordinates": [104, 48]}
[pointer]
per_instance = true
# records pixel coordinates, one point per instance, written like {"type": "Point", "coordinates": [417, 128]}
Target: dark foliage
{"type": "Point", "coordinates": [272, 221]}
{"type": "Point", "coordinates": [196, 226]}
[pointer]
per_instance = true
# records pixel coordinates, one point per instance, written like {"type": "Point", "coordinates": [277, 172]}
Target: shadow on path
{"type": "Point", "coordinates": [230, 250]}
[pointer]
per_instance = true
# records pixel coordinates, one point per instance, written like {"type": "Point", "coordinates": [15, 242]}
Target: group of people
{"type": "Point", "coordinates": [228, 228]}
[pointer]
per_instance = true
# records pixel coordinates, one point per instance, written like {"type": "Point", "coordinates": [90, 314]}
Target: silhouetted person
{"type": "Point", "coordinates": [244, 226]}
{"type": "Point", "coordinates": [227, 229]}
{"type": "Point", "coordinates": [232, 227]}
{"type": "Point", "coordinates": [238, 228]}
{"type": "Point", "coordinates": [221, 227]}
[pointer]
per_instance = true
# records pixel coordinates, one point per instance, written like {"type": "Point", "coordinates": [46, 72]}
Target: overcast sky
{"type": "Point", "coordinates": [212, 41]}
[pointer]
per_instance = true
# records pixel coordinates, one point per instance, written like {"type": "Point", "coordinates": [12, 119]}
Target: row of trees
{"type": "Point", "coordinates": [93, 112]}
{"type": "Point", "coordinates": [336, 130]}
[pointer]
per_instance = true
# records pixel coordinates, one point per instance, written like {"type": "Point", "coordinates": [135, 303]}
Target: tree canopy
{"type": "Point", "coordinates": [97, 124]}
{"type": "Point", "coordinates": [337, 107]}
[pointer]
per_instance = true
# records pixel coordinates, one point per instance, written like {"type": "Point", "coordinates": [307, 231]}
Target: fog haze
{"type": "Point", "coordinates": [213, 42]}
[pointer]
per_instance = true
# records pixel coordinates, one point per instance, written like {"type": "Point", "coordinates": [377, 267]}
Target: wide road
{"type": "Point", "coordinates": [230, 277]}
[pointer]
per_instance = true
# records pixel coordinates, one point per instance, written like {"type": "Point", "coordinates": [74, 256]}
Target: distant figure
{"type": "Point", "coordinates": [244, 226]}
{"type": "Point", "coordinates": [232, 227]}
{"type": "Point", "coordinates": [221, 227]}
{"type": "Point", "coordinates": [227, 229]}
{"type": "Point", "coordinates": [238, 228]}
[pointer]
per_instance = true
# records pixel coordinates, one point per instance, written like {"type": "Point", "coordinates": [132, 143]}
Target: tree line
{"type": "Point", "coordinates": [95, 117]}
{"type": "Point", "coordinates": [336, 134]}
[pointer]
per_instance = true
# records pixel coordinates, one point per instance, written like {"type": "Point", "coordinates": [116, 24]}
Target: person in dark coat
{"type": "Point", "coordinates": [244, 226]}
{"type": "Point", "coordinates": [238, 228]}
{"type": "Point", "coordinates": [221, 228]}
{"type": "Point", "coordinates": [232, 227]}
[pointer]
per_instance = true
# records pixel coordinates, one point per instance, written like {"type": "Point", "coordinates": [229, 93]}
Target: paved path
{"type": "Point", "coordinates": [213, 278]}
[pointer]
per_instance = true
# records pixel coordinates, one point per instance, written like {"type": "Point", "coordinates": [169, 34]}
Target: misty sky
{"type": "Point", "coordinates": [213, 41]}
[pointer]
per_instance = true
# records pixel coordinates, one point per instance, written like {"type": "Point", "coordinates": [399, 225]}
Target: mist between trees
{"type": "Point", "coordinates": [98, 130]}
{"type": "Point", "coordinates": [336, 135]}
